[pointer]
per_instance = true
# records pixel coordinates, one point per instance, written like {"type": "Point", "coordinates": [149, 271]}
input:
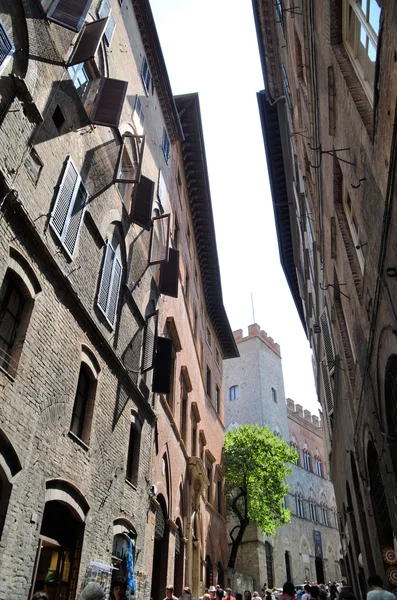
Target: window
{"type": "Point", "coordinates": [233, 392]}
{"type": "Point", "coordinates": [34, 165]}
{"type": "Point", "coordinates": [208, 387]}
{"type": "Point", "coordinates": [109, 287]}
{"type": "Point", "coordinates": [194, 438]}
{"type": "Point", "coordinates": [81, 76]}
{"type": "Point", "coordinates": [360, 36]}
{"type": "Point", "coordinates": [319, 467]}
{"type": "Point", "coordinates": [6, 47]}
{"type": "Point", "coordinates": [12, 305]}
{"type": "Point", "coordinates": [69, 14]}
{"type": "Point", "coordinates": [300, 511]}
{"type": "Point", "coordinates": [165, 146]}
{"type": "Point", "coordinates": [176, 234]}
{"type": "Point", "coordinates": [217, 399]}
{"type": "Point", "coordinates": [146, 76]}
{"type": "Point", "coordinates": [67, 215]}
{"type": "Point", "coordinates": [105, 10]}
{"type": "Point", "coordinates": [274, 395]}
{"type": "Point", "coordinates": [209, 488]}
{"type": "Point", "coordinates": [58, 118]}
{"type": "Point", "coordinates": [219, 497]}
{"type": "Point", "coordinates": [269, 565]}
{"type": "Point", "coordinates": [83, 405]}
{"type": "Point", "coordinates": [208, 337]}
{"type": "Point", "coordinates": [184, 405]}
{"type": "Point", "coordinates": [279, 11]}
{"type": "Point", "coordinates": [324, 514]}
{"type": "Point", "coordinates": [217, 358]}
{"type": "Point", "coordinates": [286, 86]}
{"type": "Point", "coordinates": [138, 114]}
{"type": "Point", "coordinates": [187, 285]}
{"type": "Point", "coordinates": [312, 510]}
{"type": "Point", "coordinates": [134, 447]}
{"type": "Point", "coordinates": [195, 324]}
{"type": "Point", "coordinates": [307, 460]}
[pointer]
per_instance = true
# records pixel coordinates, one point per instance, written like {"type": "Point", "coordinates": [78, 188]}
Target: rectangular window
{"type": "Point", "coordinates": [217, 358]}
{"type": "Point", "coordinates": [34, 165]}
{"type": "Point", "coordinates": [69, 14]}
{"type": "Point", "coordinates": [81, 76]}
{"type": "Point", "coordinates": [165, 146]}
{"type": "Point", "coordinates": [67, 215]}
{"type": "Point", "coordinates": [360, 36]}
{"type": "Point", "coordinates": [286, 86]}
{"type": "Point", "coordinates": [353, 226]}
{"type": "Point", "coordinates": [12, 304]}
{"type": "Point", "coordinates": [208, 382]}
{"type": "Point", "coordinates": [109, 287]}
{"type": "Point", "coordinates": [274, 395]}
{"type": "Point", "coordinates": [138, 115]}
{"type": "Point", "coordinates": [146, 76]}
{"type": "Point", "coordinates": [6, 47]}
{"type": "Point", "coordinates": [105, 10]}
{"type": "Point", "coordinates": [208, 337]}
{"type": "Point", "coordinates": [217, 399]}
{"type": "Point", "coordinates": [220, 497]}
{"type": "Point", "coordinates": [233, 392]}
{"type": "Point", "coordinates": [209, 489]}
{"type": "Point", "coordinates": [187, 285]}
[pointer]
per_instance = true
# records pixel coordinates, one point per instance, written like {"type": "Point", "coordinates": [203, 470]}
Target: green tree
{"type": "Point", "coordinates": [256, 467]}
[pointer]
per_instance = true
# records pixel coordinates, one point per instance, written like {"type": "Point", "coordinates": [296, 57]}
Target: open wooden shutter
{"type": "Point", "coordinates": [169, 274]}
{"type": "Point", "coordinates": [105, 10]}
{"type": "Point", "coordinates": [162, 366]}
{"type": "Point", "coordinates": [327, 339]}
{"type": "Point", "coordinates": [114, 290]}
{"type": "Point", "coordinates": [149, 342]}
{"type": "Point", "coordinates": [109, 102]}
{"type": "Point", "coordinates": [141, 212]}
{"type": "Point", "coordinates": [159, 241]}
{"type": "Point", "coordinates": [106, 278]}
{"type": "Point", "coordinates": [69, 13]}
{"type": "Point", "coordinates": [75, 219]}
{"type": "Point", "coordinates": [87, 45]}
{"type": "Point", "coordinates": [64, 198]}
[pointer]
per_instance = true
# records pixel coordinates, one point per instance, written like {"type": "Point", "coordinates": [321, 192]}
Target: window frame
{"type": "Point", "coordinates": [13, 287]}
{"type": "Point", "coordinates": [361, 21]}
{"type": "Point", "coordinates": [146, 76]}
{"type": "Point", "coordinates": [234, 392]}
{"type": "Point", "coordinates": [217, 399]}
{"type": "Point", "coordinates": [352, 223]}
{"type": "Point", "coordinates": [274, 395]}
{"type": "Point", "coordinates": [11, 51]}
{"type": "Point", "coordinates": [208, 382]}
{"type": "Point", "coordinates": [166, 146]}
{"type": "Point", "coordinates": [83, 433]}
{"type": "Point", "coordinates": [111, 283]}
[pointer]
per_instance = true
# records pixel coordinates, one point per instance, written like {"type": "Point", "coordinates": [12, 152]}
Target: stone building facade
{"type": "Point", "coordinates": [328, 117]}
{"type": "Point", "coordinates": [308, 547]}
{"type": "Point", "coordinates": [91, 295]}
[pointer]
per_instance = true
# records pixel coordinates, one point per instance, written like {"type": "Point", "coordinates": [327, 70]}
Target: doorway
{"type": "Point", "coordinates": [58, 554]}
{"type": "Point", "coordinates": [319, 569]}
{"type": "Point", "coordinates": [160, 554]}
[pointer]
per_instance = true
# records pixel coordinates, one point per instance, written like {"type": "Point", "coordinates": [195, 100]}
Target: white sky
{"type": "Point", "coordinates": [210, 47]}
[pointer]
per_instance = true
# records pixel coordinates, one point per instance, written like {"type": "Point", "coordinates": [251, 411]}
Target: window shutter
{"type": "Point", "coordinates": [159, 241]}
{"type": "Point", "coordinates": [69, 13]}
{"type": "Point", "coordinates": [105, 10]}
{"type": "Point", "coordinates": [5, 44]}
{"type": "Point", "coordinates": [328, 340]}
{"type": "Point", "coordinates": [114, 290]}
{"type": "Point", "coordinates": [106, 278]}
{"type": "Point", "coordinates": [141, 212]}
{"type": "Point", "coordinates": [328, 393]}
{"type": "Point", "coordinates": [169, 274]}
{"type": "Point", "coordinates": [162, 366]}
{"type": "Point", "coordinates": [162, 191]}
{"type": "Point", "coordinates": [76, 218]}
{"type": "Point", "coordinates": [64, 198]}
{"type": "Point", "coordinates": [109, 102]}
{"type": "Point", "coordinates": [149, 342]}
{"type": "Point", "coordinates": [88, 42]}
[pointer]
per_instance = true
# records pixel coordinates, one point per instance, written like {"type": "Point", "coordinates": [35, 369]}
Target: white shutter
{"type": "Point", "coordinates": [106, 278]}
{"type": "Point", "coordinates": [64, 198]}
{"type": "Point", "coordinates": [328, 341]}
{"type": "Point", "coordinates": [114, 290]}
{"type": "Point", "coordinates": [75, 219]}
{"type": "Point", "coordinates": [105, 10]}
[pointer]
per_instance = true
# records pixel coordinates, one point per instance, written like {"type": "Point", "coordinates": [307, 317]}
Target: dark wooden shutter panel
{"type": "Point", "coordinates": [69, 13]}
{"type": "Point", "coordinates": [88, 42]}
{"type": "Point", "coordinates": [64, 197]}
{"type": "Point", "coordinates": [109, 102]}
{"type": "Point", "coordinates": [141, 212]}
{"type": "Point", "coordinates": [159, 240]}
{"type": "Point", "coordinates": [149, 343]}
{"type": "Point", "coordinates": [114, 290]}
{"type": "Point", "coordinates": [76, 218]}
{"type": "Point", "coordinates": [162, 366]}
{"type": "Point", "coordinates": [169, 274]}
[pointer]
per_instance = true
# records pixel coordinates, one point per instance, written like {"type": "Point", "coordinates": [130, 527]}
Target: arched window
{"type": "Point", "coordinates": [124, 538]}
{"type": "Point", "coordinates": [300, 510]}
{"type": "Point", "coordinates": [307, 459]}
{"type": "Point", "coordinates": [83, 405]}
{"type": "Point", "coordinates": [312, 506]}
{"type": "Point", "coordinates": [134, 449]}
{"type": "Point", "coordinates": [324, 510]}
{"type": "Point", "coordinates": [318, 465]}
{"type": "Point", "coordinates": [269, 565]}
{"type": "Point", "coordinates": [233, 392]}
{"type": "Point", "coordinates": [16, 304]}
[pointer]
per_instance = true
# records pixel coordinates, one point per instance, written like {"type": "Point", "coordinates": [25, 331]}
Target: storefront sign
{"type": "Point", "coordinates": [318, 545]}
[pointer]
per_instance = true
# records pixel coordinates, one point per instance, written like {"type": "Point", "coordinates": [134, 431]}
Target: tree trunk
{"type": "Point", "coordinates": [236, 543]}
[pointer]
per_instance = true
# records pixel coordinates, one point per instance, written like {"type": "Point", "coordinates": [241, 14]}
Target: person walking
{"type": "Point", "coordinates": [288, 591]}
{"type": "Point", "coordinates": [377, 591]}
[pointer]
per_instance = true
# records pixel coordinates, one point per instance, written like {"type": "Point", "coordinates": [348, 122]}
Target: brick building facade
{"type": "Point", "coordinates": [93, 179]}
{"type": "Point", "coordinates": [328, 115]}
{"type": "Point", "coordinates": [308, 547]}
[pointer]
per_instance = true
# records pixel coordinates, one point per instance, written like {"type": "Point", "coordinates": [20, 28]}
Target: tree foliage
{"type": "Point", "coordinates": [256, 466]}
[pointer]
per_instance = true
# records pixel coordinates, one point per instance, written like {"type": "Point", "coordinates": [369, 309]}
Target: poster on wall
{"type": "Point", "coordinates": [318, 544]}
{"type": "Point", "coordinates": [100, 573]}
